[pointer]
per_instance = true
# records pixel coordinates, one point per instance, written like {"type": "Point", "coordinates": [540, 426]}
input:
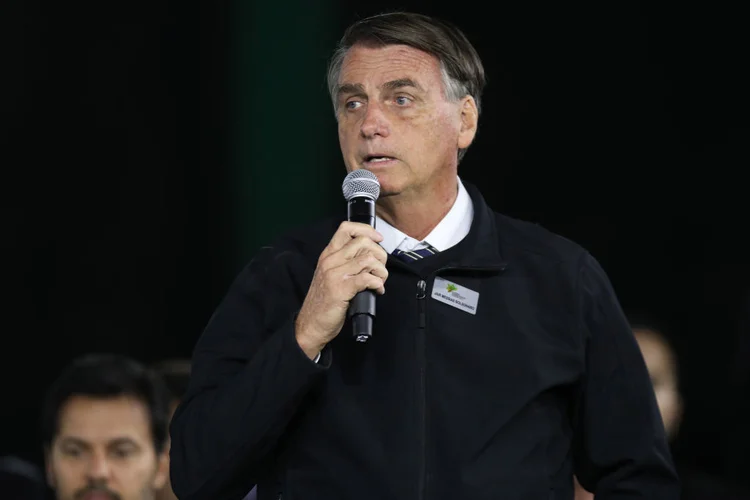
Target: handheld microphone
{"type": "Point", "coordinates": [361, 189]}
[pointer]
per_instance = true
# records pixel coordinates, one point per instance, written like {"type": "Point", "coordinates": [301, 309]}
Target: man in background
{"type": "Point", "coordinates": [663, 368]}
{"type": "Point", "coordinates": [104, 430]}
{"type": "Point", "coordinates": [661, 363]}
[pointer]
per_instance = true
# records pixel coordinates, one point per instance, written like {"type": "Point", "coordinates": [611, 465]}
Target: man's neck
{"type": "Point", "coordinates": [417, 216]}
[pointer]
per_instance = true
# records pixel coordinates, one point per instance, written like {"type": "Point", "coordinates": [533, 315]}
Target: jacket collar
{"type": "Point", "coordinates": [481, 247]}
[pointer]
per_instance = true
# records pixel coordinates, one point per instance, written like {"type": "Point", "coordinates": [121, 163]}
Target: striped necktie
{"type": "Point", "coordinates": [412, 255]}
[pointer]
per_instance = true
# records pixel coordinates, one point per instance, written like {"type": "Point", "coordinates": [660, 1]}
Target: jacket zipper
{"type": "Point", "coordinates": [422, 324]}
{"type": "Point", "coordinates": [421, 293]}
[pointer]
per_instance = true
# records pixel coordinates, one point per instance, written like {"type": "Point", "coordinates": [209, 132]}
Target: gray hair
{"type": "Point", "coordinates": [460, 66]}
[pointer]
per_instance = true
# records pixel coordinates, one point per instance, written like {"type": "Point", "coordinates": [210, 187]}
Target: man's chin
{"type": "Point", "coordinates": [389, 188]}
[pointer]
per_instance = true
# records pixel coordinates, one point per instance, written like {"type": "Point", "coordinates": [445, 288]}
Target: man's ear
{"type": "Point", "coordinates": [48, 470]}
{"type": "Point", "coordinates": [469, 122]}
{"type": "Point", "coordinates": [161, 478]}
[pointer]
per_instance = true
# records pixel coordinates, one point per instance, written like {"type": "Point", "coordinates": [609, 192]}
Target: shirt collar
{"type": "Point", "coordinates": [449, 231]}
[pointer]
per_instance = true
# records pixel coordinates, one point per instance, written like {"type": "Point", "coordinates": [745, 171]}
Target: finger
{"type": "Point", "coordinates": [359, 269]}
{"type": "Point", "coordinates": [348, 230]}
{"type": "Point", "coordinates": [369, 281]}
{"type": "Point", "coordinates": [362, 245]}
{"type": "Point", "coordinates": [352, 277]}
{"type": "Point", "coordinates": [367, 263]}
{"type": "Point", "coordinates": [380, 271]}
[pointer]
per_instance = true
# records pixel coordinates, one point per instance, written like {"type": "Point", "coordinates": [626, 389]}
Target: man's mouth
{"type": "Point", "coordinates": [97, 494]}
{"type": "Point", "coordinates": [377, 159]}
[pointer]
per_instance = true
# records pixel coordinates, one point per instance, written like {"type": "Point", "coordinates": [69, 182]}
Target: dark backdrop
{"type": "Point", "coordinates": [147, 149]}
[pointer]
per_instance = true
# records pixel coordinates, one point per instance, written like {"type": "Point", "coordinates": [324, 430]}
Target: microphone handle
{"type": "Point", "coordinates": [361, 209]}
{"type": "Point", "coordinates": [362, 307]}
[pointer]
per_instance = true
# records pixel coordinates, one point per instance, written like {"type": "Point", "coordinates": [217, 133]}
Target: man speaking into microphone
{"type": "Point", "coordinates": [497, 363]}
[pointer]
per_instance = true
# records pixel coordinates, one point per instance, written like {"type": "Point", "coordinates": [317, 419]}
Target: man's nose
{"type": "Point", "coordinates": [374, 122]}
{"type": "Point", "coordinates": [99, 467]}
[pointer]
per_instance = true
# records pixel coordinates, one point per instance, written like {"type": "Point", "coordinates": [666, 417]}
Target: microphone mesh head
{"type": "Point", "coordinates": [361, 183]}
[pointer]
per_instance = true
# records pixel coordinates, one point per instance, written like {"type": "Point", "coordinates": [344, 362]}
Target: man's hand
{"type": "Point", "coordinates": [353, 261]}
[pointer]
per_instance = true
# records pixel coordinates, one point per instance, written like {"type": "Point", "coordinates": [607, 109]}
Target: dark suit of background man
{"type": "Point", "coordinates": [525, 374]}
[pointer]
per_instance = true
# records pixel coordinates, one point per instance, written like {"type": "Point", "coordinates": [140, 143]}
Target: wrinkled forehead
{"type": "Point", "coordinates": [376, 65]}
{"type": "Point", "coordinates": [104, 420]}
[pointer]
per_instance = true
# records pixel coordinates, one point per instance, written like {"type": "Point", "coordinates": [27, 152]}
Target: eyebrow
{"type": "Point", "coordinates": [119, 441]}
{"type": "Point", "coordinates": [123, 441]}
{"type": "Point", "coordinates": [359, 89]}
{"type": "Point", "coordinates": [351, 88]}
{"type": "Point", "coordinates": [74, 440]}
{"type": "Point", "coordinates": [401, 83]}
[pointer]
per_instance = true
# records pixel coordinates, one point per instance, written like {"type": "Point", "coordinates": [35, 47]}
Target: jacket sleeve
{"type": "Point", "coordinates": [620, 446]}
{"type": "Point", "coordinates": [248, 379]}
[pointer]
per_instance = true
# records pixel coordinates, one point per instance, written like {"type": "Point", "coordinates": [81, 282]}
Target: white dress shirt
{"type": "Point", "coordinates": [450, 230]}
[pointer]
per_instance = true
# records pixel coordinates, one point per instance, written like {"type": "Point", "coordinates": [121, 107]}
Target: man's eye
{"type": "Point", "coordinates": [72, 452]}
{"type": "Point", "coordinates": [122, 452]}
{"type": "Point", "coordinates": [402, 101]}
{"type": "Point", "coordinates": [353, 104]}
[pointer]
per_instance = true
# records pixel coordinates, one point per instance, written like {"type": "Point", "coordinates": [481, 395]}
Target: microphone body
{"type": "Point", "coordinates": [362, 307]}
{"type": "Point", "coordinates": [361, 189]}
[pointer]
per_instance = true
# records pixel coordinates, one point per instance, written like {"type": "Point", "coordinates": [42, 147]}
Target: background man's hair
{"type": "Point", "coordinates": [108, 376]}
{"type": "Point", "coordinates": [176, 375]}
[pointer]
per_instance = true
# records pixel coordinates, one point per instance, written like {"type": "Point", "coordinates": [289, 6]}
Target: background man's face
{"type": "Point", "coordinates": [104, 450]}
{"type": "Point", "coordinates": [662, 368]}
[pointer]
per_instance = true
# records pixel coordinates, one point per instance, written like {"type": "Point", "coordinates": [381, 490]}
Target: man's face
{"type": "Point", "coordinates": [104, 450]}
{"type": "Point", "coordinates": [662, 369]}
{"type": "Point", "coordinates": [394, 119]}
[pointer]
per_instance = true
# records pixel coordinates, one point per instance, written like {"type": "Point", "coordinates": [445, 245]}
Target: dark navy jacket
{"type": "Point", "coordinates": [545, 380]}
